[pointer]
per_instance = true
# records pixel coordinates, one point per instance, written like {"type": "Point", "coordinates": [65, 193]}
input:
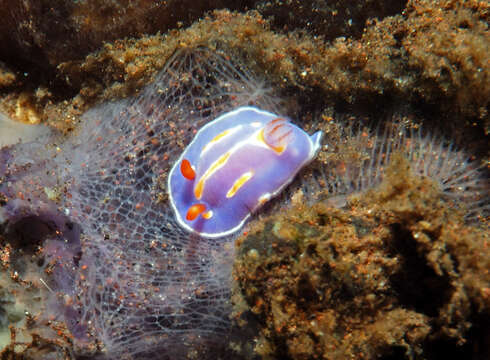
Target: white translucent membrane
{"type": "Point", "coordinates": [12, 132]}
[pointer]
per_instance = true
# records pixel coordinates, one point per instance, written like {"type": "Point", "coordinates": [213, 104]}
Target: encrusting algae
{"type": "Point", "coordinates": [396, 273]}
{"type": "Point", "coordinates": [405, 57]}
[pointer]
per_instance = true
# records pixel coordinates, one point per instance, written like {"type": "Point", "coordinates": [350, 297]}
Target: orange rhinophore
{"type": "Point", "coordinates": [187, 170]}
{"type": "Point", "coordinates": [277, 134]}
{"type": "Point", "coordinates": [194, 211]}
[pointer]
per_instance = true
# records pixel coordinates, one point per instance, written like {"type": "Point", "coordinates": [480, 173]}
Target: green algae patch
{"type": "Point", "coordinates": [395, 273]}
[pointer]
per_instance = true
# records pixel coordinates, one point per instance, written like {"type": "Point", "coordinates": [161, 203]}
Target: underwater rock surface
{"type": "Point", "coordinates": [415, 63]}
{"type": "Point", "coordinates": [437, 67]}
{"type": "Point", "coordinates": [393, 274]}
{"type": "Point", "coordinates": [45, 33]}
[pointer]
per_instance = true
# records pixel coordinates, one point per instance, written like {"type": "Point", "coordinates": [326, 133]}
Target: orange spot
{"type": "Point", "coordinates": [194, 211]}
{"type": "Point", "coordinates": [187, 170]}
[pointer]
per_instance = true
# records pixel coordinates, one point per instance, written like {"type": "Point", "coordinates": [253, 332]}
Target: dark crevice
{"type": "Point", "coordinates": [329, 19]}
{"type": "Point", "coordinates": [28, 236]}
{"type": "Point", "coordinates": [476, 348]}
{"type": "Point", "coordinates": [29, 232]}
{"type": "Point", "coordinates": [417, 285]}
{"type": "Point", "coordinates": [37, 36]}
{"type": "Point", "coordinates": [394, 353]}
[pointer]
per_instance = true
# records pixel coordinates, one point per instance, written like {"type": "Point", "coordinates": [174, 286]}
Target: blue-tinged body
{"type": "Point", "coordinates": [234, 165]}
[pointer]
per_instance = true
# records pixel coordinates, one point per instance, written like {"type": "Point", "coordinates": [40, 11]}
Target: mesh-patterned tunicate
{"type": "Point", "coordinates": [137, 284]}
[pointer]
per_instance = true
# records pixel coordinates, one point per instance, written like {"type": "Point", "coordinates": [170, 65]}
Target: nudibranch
{"type": "Point", "coordinates": [234, 165]}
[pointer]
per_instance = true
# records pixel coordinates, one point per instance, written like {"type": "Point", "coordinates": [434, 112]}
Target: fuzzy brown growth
{"type": "Point", "coordinates": [395, 273]}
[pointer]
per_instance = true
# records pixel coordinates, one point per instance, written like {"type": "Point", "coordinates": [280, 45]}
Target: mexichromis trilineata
{"type": "Point", "coordinates": [128, 270]}
{"type": "Point", "coordinates": [234, 165]}
{"type": "Point", "coordinates": [145, 200]}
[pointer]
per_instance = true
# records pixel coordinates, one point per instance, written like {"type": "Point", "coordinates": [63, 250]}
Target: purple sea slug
{"type": "Point", "coordinates": [233, 166]}
{"type": "Point", "coordinates": [130, 281]}
{"type": "Point", "coordinates": [134, 282]}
